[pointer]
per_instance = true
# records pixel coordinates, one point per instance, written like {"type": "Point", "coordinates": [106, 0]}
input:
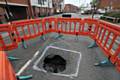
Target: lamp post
{"type": "Point", "coordinates": [48, 8]}
{"type": "Point", "coordinates": [93, 11]}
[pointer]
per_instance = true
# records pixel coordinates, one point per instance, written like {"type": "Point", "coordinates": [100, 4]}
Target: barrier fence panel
{"type": "Point", "coordinates": [91, 27]}
{"type": "Point", "coordinates": [7, 38]}
{"type": "Point", "coordinates": [69, 25]}
{"type": "Point", "coordinates": [28, 29]}
{"type": "Point", "coordinates": [106, 35]}
{"type": "Point", "coordinates": [108, 38]}
{"type": "Point", "coordinates": [49, 24]}
{"type": "Point", "coordinates": [6, 70]}
{"type": "Point", "coordinates": [116, 58]}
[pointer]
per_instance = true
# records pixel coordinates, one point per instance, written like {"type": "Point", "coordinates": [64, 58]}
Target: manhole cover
{"type": "Point", "coordinates": [54, 63]}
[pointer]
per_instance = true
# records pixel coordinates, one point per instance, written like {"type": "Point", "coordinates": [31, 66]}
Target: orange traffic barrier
{"type": "Point", "coordinates": [49, 24]}
{"type": "Point", "coordinates": [116, 58]}
{"type": "Point", "coordinates": [6, 70]}
{"type": "Point", "coordinates": [107, 38]}
{"type": "Point", "coordinates": [106, 35]}
{"type": "Point", "coordinates": [72, 26]}
{"type": "Point", "coordinates": [6, 39]}
{"type": "Point", "coordinates": [118, 65]}
{"type": "Point", "coordinates": [28, 29]}
{"type": "Point", "coordinates": [91, 26]}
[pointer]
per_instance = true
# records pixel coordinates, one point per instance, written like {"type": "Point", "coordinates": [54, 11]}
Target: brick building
{"type": "Point", "coordinates": [58, 6]}
{"type": "Point", "coordinates": [22, 9]}
{"type": "Point", "coordinates": [113, 4]}
{"type": "Point", "coordinates": [42, 7]}
{"type": "Point", "coordinates": [70, 8]}
{"type": "Point", "coordinates": [14, 10]}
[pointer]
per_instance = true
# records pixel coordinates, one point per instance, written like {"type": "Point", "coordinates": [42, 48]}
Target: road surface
{"type": "Point", "coordinates": [86, 71]}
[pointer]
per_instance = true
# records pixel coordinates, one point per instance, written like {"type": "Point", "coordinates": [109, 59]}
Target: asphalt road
{"type": "Point", "coordinates": [77, 15]}
{"type": "Point", "coordinates": [87, 70]}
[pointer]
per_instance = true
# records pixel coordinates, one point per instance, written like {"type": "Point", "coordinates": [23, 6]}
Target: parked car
{"type": "Point", "coordinates": [66, 15]}
{"type": "Point", "coordinates": [101, 11]}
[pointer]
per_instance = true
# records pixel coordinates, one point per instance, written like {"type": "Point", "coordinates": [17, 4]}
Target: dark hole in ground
{"type": "Point", "coordinates": [54, 63]}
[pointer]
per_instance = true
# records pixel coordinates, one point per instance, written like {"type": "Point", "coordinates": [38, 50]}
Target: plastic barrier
{"type": "Point", "coordinates": [28, 29]}
{"type": "Point", "coordinates": [108, 38]}
{"type": "Point", "coordinates": [91, 26]}
{"type": "Point", "coordinates": [72, 26]}
{"type": "Point", "coordinates": [6, 70]}
{"type": "Point", "coordinates": [7, 37]}
{"type": "Point", "coordinates": [116, 58]}
{"type": "Point", "coordinates": [106, 35]}
{"type": "Point", "coordinates": [49, 25]}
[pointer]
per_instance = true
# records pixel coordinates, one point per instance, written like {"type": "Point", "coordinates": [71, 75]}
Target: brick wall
{"type": "Point", "coordinates": [114, 3]}
{"type": "Point", "coordinates": [69, 8]}
{"type": "Point", "coordinates": [16, 1]}
{"type": "Point", "coordinates": [58, 5]}
{"type": "Point", "coordinates": [15, 7]}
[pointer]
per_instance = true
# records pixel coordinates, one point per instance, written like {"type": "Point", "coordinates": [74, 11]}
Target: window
{"type": "Point", "coordinates": [42, 2]}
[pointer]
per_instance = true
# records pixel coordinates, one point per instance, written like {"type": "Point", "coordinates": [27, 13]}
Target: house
{"type": "Point", "coordinates": [70, 8]}
{"type": "Point", "coordinates": [58, 6]}
{"type": "Point", "coordinates": [109, 4]}
{"type": "Point", "coordinates": [13, 10]}
{"type": "Point", "coordinates": [42, 7]}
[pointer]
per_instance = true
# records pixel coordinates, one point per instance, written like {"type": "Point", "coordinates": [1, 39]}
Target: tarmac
{"type": "Point", "coordinates": [86, 69]}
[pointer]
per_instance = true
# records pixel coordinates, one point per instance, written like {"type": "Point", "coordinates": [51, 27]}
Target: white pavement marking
{"type": "Point", "coordinates": [35, 67]}
{"type": "Point", "coordinates": [35, 64]}
{"type": "Point", "coordinates": [27, 63]}
{"type": "Point", "coordinates": [24, 67]}
{"type": "Point", "coordinates": [64, 49]}
{"type": "Point", "coordinates": [77, 69]}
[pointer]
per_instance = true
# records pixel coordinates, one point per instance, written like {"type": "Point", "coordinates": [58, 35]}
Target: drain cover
{"type": "Point", "coordinates": [54, 63]}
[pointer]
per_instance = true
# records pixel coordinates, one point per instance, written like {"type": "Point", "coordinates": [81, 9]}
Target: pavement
{"type": "Point", "coordinates": [118, 23]}
{"type": "Point", "coordinates": [86, 69]}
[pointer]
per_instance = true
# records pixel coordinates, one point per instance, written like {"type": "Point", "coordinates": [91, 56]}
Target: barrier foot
{"type": "Point", "coordinates": [59, 36]}
{"type": "Point", "coordinates": [43, 38]}
{"type": "Point", "coordinates": [24, 77]}
{"type": "Point", "coordinates": [24, 44]}
{"type": "Point", "coordinates": [77, 38]}
{"type": "Point", "coordinates": [92, 45]}
{"type": "Point", "coordinates": [105, 62]}
{"type": "Point", "coordinates": [13, 58]}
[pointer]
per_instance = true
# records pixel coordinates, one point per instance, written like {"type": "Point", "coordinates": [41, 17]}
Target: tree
{"type": "Point", "coordinates": [94, 6]}
{"type": "Point", "coordinates": [81, 7]}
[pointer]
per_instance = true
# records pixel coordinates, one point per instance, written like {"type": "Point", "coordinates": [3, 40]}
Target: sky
{"type": "Point", "coordinates": [77, 2]}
